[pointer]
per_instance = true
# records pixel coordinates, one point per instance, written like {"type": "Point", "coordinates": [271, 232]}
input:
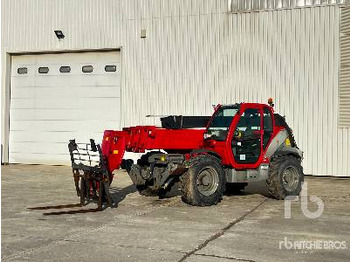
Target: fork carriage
{"type": "Point", "coordinates": [91, 176]}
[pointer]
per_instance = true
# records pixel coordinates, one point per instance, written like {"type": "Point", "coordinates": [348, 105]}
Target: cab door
{"type": "Point", "coordinates": [246, 143]}
{"type": "Point", "coordinates": [267, 127]}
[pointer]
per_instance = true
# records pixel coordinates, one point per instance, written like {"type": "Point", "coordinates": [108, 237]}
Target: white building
{"type": "Point", "coordinates": [121, 60]}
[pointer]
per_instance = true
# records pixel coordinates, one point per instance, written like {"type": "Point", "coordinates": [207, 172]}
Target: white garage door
{"type": "Point", "coordinates": [57, 97]}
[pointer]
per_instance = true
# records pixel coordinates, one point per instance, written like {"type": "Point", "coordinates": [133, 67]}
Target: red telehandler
{"type": "Point", "coordinates": [240, 143]}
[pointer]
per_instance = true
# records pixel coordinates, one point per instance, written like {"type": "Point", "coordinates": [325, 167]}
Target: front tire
{"type": "Point", "coordinates": [204, 182]}
{"type": "Point", "coordinates": [285, 177]}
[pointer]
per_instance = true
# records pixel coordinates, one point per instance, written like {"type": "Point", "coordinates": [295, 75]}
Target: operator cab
{"type": "Point", "coordinates": [252, 129]}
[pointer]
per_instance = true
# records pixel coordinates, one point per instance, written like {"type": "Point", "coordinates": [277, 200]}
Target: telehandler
{"type": "Point", "coordinates": [238, 144]}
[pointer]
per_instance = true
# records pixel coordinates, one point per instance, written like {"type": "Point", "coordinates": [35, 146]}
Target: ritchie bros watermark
{"type": "Point", "coordinates": [309, 245]}
{"type": "Point", "coordinates": [303, 204]}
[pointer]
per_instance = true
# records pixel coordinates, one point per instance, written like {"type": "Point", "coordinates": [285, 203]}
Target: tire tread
{"type": "Point", "coordinates": [273, 181]}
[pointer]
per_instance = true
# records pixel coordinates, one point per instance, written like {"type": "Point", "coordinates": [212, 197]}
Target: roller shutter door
{"type": "Point", "coordinates": [57, 97]}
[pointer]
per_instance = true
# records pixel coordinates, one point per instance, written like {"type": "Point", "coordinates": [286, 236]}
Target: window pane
{"type": "Point", "coordinates": [88, 69]}
{"type": "Point", "coordinates": [267, 120]}
{"type": "Point", "coordinates": [43, 70]}
{"type": "Point", "coordinates": [65, 69]}
{"type": "Point", "coordinates": [22, 70]}
{"type": "Point", "coordinates": [268, 128]}
{"type": "Point", "coordinates": [250, 120]}
{"type": "Point", "coordinates": [221, 121]}
{"type": "Point", "coordinates": [110, 68]}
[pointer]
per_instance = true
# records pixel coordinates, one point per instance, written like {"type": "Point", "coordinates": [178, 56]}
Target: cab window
{"type": "Point", "coordinates": [268, 127]}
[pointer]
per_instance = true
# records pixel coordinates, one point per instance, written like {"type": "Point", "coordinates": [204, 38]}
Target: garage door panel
{"type": "Point", "coordinates": [40, 147]}
{"type": "Point", "coordinates": [43, 148]}
{"type": "Point", "coordinates": [51, 103]}
{"type": "Point", "coordinates": [66, 92]}
{"type": "Point", "coordinates": [42, 158]}
{"type": "Point", "coordinates": [22, 81]}
{"type": "Point", "coordinates": [100, 68]}
{"type": "Point", "coordinates": [65, 126]}
{"type": "Point", "coordinates": [76, 92]}
{"type": "Point", "coordinates": [75, 69]}
{"type": "Point", "coordinates": [49, 108]}
{"type": "Point", "coordinates": [30, 70]}
{"type": "Point", "coordinates": [19, 137]}
{"type": "Point", "coordinates": [64, 114]}
{"type": "Point", "coordinates": [22, 103]}
{"type": "Point", "coordinates": [77, 81]}
{"type": "Point", "coordinates": [24, 92]}
{"type": "Point", "coordinates": [75, 59]}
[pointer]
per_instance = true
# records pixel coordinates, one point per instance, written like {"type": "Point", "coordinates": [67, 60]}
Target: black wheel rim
{"type": "Point", "coordinates": [207, 181]}
{"type": "Point", "coordinates": [290, 178]}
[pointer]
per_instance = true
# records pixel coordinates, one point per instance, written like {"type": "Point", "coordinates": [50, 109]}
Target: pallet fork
{"type": "Point", "coordinates": [91, 177]}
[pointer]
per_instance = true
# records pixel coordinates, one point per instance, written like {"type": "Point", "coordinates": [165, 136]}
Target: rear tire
{"type": "Point", "coordinates": [204, 182]}
{"type": "Point", "coordinates": [139, 176]}
{"type": "Point", "coordinates": [285, 177]}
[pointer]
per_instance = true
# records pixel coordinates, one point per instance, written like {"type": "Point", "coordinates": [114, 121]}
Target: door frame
{"type": "Point", "coordinates": [229, 138]}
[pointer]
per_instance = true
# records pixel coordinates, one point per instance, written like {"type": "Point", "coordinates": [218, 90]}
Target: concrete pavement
{"type": "Point", "coordinates": [41, 221]}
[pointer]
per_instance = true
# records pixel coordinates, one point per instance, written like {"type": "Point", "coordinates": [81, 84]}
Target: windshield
{"type": "Point", "coordinates": [221, 121]}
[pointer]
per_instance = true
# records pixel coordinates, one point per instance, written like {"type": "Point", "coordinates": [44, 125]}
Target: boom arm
{"type": "Point", "coordinates": [140, 138]}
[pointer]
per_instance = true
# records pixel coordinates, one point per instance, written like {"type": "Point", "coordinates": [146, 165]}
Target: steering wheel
{"type": "Point", "coordinates": [237, 133]}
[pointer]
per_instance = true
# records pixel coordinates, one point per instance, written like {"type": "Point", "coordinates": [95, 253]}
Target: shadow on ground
{"type": "Point", "coordinates": [251, 189]}
{"type": "Point", "coordinates": [118, 195]}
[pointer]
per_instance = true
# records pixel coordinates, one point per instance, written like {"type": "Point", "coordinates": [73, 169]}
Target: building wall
{"type": "Point", "coordinates": [196, 54]}
{"type": "Point", "coordinates": [239, 6]}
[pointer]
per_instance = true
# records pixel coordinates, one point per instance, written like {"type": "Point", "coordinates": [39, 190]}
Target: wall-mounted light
{"type": "Point", "coordinates": [59, 34]}
{"type": "Point", "coordinates": [143, 33]}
